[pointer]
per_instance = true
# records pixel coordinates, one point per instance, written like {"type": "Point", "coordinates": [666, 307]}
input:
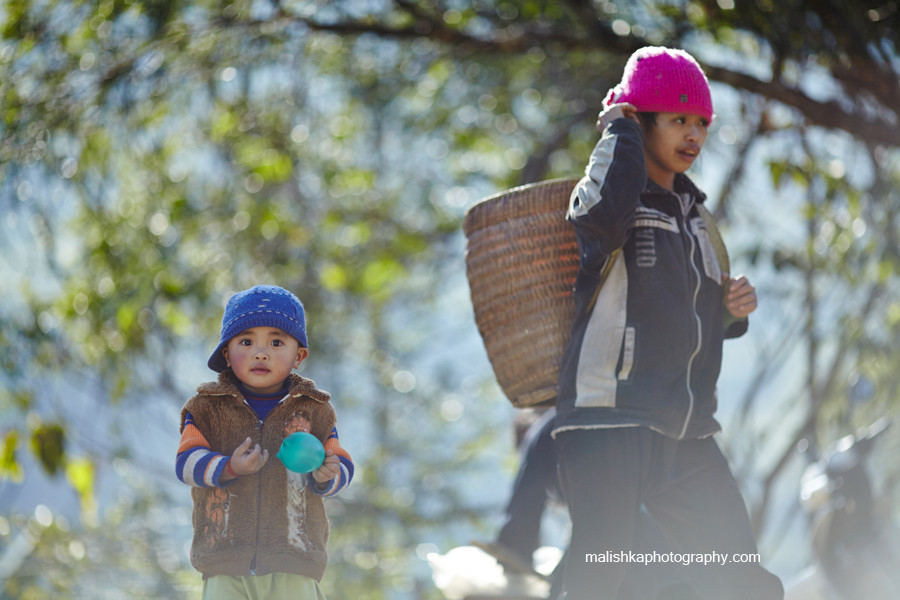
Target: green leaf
{"type": "Point", "coordinates": [334, 277]}
{"type": "Point", "coordinates": [9, 465]}
{"type": "Point", "coordinates": [379, 276]}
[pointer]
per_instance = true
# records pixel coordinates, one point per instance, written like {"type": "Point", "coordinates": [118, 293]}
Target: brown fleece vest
{"type": "Point", "coordinates": [270, 521]}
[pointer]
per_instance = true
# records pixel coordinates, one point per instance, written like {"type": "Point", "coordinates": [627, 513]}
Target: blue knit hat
{"type": "Point", "coordinates": [260, 306]}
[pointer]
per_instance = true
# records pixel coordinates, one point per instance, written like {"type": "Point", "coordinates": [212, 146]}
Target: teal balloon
{"type": "Point", "coordinates": [301, 452]}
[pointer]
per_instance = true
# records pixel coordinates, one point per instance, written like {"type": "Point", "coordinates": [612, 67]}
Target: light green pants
{"type": "Point", "coordinates": [274, 586]}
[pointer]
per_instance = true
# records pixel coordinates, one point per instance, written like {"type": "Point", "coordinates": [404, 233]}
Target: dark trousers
{"type": "Point", "coordinates": [607, 474]}
{"type": "Point", "coordinates": [535, 484]}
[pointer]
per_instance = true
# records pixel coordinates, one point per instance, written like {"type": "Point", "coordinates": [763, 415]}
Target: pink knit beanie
{"type": "Point", "coordinates": [658, 79]}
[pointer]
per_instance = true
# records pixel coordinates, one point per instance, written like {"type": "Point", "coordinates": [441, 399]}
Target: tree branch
{"type": "Point", "coordinates": [829, 114]}
{"type": "Point", "coordinates": [515, 40]}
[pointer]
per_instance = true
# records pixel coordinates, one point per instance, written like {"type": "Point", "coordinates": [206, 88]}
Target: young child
{"type": "Point", "coordinates": [260, 530]}
{"type": "Point", "coordinates": [635, 411]}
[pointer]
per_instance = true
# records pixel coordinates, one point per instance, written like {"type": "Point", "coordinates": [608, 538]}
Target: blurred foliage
{"type": "Point", "coordinates": [127, 555]}
{"type": "Point", "coordinates": [49, 444]}
{"type": "Point", "coordinates": [156, 156]}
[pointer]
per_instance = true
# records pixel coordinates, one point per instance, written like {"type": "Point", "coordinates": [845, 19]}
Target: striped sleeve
{"type": "Point", "coordinates": [603, 202]}
{"type": "Point", "coordinates": [346, 471]}
{"type": "Point", "coordinates": [195, 464]}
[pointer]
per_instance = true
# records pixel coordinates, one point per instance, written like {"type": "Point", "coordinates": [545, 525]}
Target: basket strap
{"type": "Point", "coordinates": [715, 238]}
{"type": "Point", "coordinates": [604, 273]}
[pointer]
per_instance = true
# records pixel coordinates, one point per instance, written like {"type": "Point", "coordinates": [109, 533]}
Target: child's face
{"type": "Point", "coordinates": [672, 145]}
{"type": "Point", "coordinates": [263, 357]}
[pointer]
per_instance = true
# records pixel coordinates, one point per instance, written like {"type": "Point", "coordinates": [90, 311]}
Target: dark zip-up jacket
{"type": "Point", "coordinates": [646, 346]}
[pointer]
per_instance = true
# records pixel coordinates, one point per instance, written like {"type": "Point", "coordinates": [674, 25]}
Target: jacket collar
{"type": "Point", "coordinates": [683, 185]}
{"type": "Point", "coordinates": [226, 385]}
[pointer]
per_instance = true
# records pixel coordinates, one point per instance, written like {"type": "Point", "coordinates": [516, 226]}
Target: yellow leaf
{"type": "Point", "coordinates": [80, 475]}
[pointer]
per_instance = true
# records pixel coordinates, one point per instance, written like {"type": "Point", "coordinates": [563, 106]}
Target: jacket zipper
{"type": "Point", "coordinates": [258, 427]}
{"type": "Point", "coordinates": [690, 365]}
{"type": "Point", "coordinates": [258, 510]}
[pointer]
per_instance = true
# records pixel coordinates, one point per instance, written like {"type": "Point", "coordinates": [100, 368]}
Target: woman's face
{"type": "Point", "coordinates": [673, 144]}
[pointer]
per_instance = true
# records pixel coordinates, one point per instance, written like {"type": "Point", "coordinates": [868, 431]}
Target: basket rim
{"type": "Point", "coordinates": [478, 215]}
{"type": "Point", "coordinates": [522, 188]}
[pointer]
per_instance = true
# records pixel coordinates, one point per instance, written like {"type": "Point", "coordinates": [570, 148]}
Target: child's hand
{"type": "Point", "coordinates": [741, 299]}
{"type": "Point", "coordinates": [246, 461]}
{"type": "Point", "coordinates": [617, 111]}
{"type": "Point", "coordinates": [329, 469]}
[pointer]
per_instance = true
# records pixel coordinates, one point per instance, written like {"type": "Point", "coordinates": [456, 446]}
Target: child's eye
{"type": "Point", "coordinates": [704, 122]}
{"type": "Point", "coordinates": [245, 342]}
{"type": "Point", "coordinates": [277, 343]}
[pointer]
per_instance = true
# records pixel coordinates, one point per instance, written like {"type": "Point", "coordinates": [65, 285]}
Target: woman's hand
{"type": "Point", "coordinates": [616, 111]}
{"type": "Point", "coordinates": [741, 299]}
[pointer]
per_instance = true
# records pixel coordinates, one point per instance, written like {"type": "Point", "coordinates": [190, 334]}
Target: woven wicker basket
{"type": "Point", "coordinates": [521, 263]}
